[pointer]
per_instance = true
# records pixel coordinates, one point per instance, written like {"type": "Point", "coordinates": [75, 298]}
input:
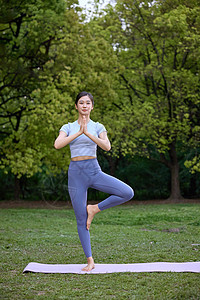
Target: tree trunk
{"type": "Point", "coordinates": [175, 194]}
{"type": "Point", "coordinates": [17, 188]}
{"type": "Point", "coordinates": [113, 163]}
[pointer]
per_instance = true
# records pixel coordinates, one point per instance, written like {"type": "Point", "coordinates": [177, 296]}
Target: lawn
{"type": "Point", "coordinates": [124, 234]}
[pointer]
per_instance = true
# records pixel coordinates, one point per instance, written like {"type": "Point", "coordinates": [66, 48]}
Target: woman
{"type": "Point", "coordinates": [84, 171]}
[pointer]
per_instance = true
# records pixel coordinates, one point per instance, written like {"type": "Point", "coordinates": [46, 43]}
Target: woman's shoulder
{"type": "Point", "coordinates": [68, 125]}
{"type": "Point", "coordinates": [71, 123]}
{"type": "Point", "coordinates": [99, 126]}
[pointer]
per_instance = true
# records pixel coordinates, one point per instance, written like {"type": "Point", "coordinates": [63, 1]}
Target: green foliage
{"type": "Point", "coordinates": [29, 31]}
{"type": "Point", "coordinates": [141, 62]}
{"type": "Point", "coordinates": [49, 55]}
{"type": "Point", "coordinates": [149, 179]}
{"type": "Point", "coordinates": [157, 44]}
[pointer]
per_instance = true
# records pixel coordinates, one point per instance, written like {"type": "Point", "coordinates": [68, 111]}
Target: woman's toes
{"type": "Point", "coordinates": [88, 268]}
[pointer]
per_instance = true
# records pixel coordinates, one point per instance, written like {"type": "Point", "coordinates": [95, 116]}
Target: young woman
{"type": "Point", "coordinates": [84, 171]}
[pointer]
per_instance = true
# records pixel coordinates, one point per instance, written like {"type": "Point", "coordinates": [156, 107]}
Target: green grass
{"type": "Point", "coordinates": [124, 234]}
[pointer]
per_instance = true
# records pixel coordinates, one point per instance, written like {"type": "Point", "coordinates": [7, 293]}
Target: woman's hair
{"type": "Point", "coordinates": [82, 94]}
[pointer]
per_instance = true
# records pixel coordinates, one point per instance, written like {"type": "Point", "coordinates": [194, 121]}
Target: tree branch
{"type": "Point", "coordinates": [130, 85]}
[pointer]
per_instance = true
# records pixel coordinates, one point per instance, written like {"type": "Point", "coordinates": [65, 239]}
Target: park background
{"type": "Point", "coordinates": [140, 60]}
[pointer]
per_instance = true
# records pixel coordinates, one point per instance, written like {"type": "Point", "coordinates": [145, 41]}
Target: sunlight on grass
{"type": "Point", "coordinates": [124, 234]}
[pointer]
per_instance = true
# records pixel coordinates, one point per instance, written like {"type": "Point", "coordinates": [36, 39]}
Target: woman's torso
{"type": "Point", "coordinates": [83, 148]}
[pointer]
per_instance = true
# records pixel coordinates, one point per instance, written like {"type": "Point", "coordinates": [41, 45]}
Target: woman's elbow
{"type": "Point", "coordinates": [56, 145]}
{"type": "Point", "coordinates": [108, 148]}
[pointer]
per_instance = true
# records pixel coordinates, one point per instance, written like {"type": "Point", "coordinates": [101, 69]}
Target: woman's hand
{"type": "Point", "coordinates": [63, 140]}
{"type": "Point", "coordinates": [102, 141]}
{"type": "Point", "coordinates": [83, 126]}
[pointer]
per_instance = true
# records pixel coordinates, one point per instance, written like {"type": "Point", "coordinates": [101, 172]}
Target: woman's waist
{"type": "Point", "coordinates": [80, 158]}
{"type": "Point", "coordinates": [85, 163]}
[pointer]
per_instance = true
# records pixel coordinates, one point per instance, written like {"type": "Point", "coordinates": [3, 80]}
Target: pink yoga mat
{"type": "Point", "coordinates": [115, 268]}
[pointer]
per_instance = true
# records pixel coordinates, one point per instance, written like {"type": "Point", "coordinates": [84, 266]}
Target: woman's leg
{"type": "Point", "coordinates": [120, 193]}
{"type": "Point", "coordinates": [78, 194]}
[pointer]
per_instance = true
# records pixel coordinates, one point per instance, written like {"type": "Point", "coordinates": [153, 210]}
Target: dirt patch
{"type": "Point", "coordinates": [35, 204]}
{"type": "Point", "coordinates": [67, 205]}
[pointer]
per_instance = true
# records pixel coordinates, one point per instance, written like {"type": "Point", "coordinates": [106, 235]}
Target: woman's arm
{"type": "Point", "coordinates": [102, 141]}
{"type": "Point", "coordinates": [63, 139]}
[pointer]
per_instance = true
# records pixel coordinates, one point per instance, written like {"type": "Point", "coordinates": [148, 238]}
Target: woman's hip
{"type": "Point", "coordinates": [88, 165]}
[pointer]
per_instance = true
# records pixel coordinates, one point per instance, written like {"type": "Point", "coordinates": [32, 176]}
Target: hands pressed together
{"type": "Point", "coordinates": [83, 126]}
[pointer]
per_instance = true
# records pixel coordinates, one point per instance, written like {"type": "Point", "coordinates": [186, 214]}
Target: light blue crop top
{"type": "Point", "coordinates": [83, 145]}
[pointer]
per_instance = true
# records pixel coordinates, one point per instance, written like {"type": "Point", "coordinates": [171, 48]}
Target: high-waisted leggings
{"type": "Point", "coordinates": [86, 174]}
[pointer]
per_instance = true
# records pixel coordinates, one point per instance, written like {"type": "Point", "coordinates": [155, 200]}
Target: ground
{"type": "Point", "coordinates": [64, 204]}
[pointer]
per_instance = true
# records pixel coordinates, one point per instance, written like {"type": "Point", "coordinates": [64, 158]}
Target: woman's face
{"type": "Point", "coordinates": [84, 105]}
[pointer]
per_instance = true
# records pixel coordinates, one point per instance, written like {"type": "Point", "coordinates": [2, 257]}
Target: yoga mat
{"type": "Point", "coordinates": [114, 268]}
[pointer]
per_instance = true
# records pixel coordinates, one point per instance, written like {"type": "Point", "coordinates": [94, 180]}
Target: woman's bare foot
{"type": "Point", "coordinates": [92, 210]}
{"type": "Point", "coordinates": [90, 264]}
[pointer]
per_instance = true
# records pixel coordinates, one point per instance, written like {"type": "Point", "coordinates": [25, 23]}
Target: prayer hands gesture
{"type": "Point", "coordinates": [83, 126]}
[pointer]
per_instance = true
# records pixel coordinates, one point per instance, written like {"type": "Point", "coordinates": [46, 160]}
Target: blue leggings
{"type": "Point", "coordinates": [87, 173]}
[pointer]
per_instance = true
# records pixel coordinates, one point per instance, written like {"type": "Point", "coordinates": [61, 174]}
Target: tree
{"type": "Point", "coordinates": [29, 29]}
{"type": "Point", "coordinates": [48, 55]}
{"type": "Point", "coordinates": [157, 43]}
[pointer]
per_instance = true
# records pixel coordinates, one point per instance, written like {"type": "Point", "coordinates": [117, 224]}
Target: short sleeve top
{"type": "Point", "coordinates": [83, 145]}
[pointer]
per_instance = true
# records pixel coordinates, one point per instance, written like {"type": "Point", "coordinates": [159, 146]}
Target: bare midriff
{"type": "Point", "coordinates": [78, 158]}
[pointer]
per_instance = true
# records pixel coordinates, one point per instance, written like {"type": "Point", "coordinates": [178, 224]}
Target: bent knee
{"type": "Point", "coordinates": [129, 193]}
